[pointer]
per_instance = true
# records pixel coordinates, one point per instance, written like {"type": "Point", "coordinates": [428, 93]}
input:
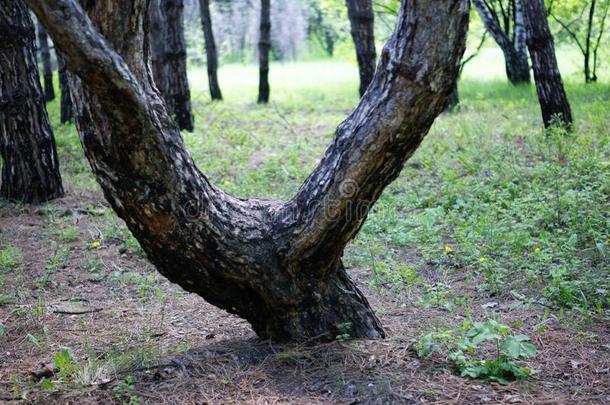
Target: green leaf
{"type": "Point", "coordinates": [47, 384]}
{"type": "Point", "coordinates": [518, 346]}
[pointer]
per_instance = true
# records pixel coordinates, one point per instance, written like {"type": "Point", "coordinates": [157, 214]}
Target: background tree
{"type": "Point", "coordinates": [454, 98]}
{"type": "Point", "coordinates": [47, 67]}
{"type": "Point", "coordinates": [64, 88]}
{"type": "Point", "coordinates": [168, 48]}
{"type": "Point", "coordinates": [549, 86]}
{"type": "Point", "coordinates": [30, 172]}
{"type": "Point", "coordinates": [362, 21]}
{"type": "Point", "coordinates": [584, 22]}
{"type": "Point", "coordinates": [503, 19]}
{"type": "Point", "coordinates": [264, 46]}
{"type": "Point", "coordinates": [325, 24]}
{"type": "Point", "coordinates": [275, 263]}
{"type": "Point", "coordinates": [210, 50]}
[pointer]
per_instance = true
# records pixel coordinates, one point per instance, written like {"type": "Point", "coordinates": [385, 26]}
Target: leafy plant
{"type": "Point", "coordinates": [66, 363]}
{"type": "Point", "coordinates": [463, 352]}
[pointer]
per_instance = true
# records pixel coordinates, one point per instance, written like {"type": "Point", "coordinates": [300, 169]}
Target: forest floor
{"type": "Point", "coordinates": [492, 222]}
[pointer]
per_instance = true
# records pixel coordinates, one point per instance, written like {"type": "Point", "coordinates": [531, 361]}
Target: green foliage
{"type": "Point", "coordinates": [10, 258]}
{"type": "Point", "coordinates": [464, 351]}
{"type": "Point", "coordinates": [124, 391]}
{"type": "Point", "coordinates": [345, 330]}
{"type": "Point", "coordinates": [66, 363]}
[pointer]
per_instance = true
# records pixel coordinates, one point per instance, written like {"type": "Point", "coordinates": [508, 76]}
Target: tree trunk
{"type": "Point", "coordinates": [454, 98]}
{"type": "Point", "coordinates": [64, 87]}
{"type": "Point", "coordinates": [168, 51]}
{"type": "Point", "coordinates": [210, 49]}
{"type": "Point", "coordinates": [264, 46]}
{"type": "Point", "coordinates": [588, 76]}
{"type": "Point", "coordinates": [275, 263]}
{"type": "Point", "coordinates": [47, 69]}
{"type": "Point", "coordinates": [549, 86]}
{"type": "Point", "coordinates": [517, 66]}
{"type": "Point", "coordinates": [361, 18]}
{"type": "Point", "coordinates": [515, 53]}
{"type": "Point", "coordinates": [31, 170]}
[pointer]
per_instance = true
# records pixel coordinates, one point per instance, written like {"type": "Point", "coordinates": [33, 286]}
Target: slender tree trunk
{"type": "Point", "coordinates": [168, 50]}
{"type": "Point", "coordinates": [551, 94]}
{"type": "Point", "coordinates": [47, 69]}
{"type": "Point", "coordinates": [588, 77]}
{"type": "Point", "coordinates": [264, 46]}
{"type": "Point", "coordinates": [30, 172]}
{"type": "Point", "coordinates": [275, 263]}
{"type": "Point", "coordinates": [157, 45]}
{"type": "Point", "coordinates": [66, 114]}
{"type": "Point", "coordinates": [362, 21]}
{"type": "Point", "coordinates": [517, 66]}
{"type": "Point", "coordinates": [210, 49]}
{"type": "Point", "coordinates": [515, 54]}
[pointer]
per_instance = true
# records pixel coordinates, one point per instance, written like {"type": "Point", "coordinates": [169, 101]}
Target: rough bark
{"type": "Point", "coordinates": [210, 49]}
{"type": "Point", "coordinates": [264, 46]}
{"type": "Point", "coordinates": [454, 98]}
{"type": "Point", "coordinates": [549, 86]}
{"type": "Point", "coordinates": [47, 68]}
{"type": "Point", "coordinates": [513, 46]}
{"type": "Point", "coordinates": [362, 21]}
{"type": "Point", "coordinates": [30, 171]}
{"type": "Point", "coordinates": [169, 59]}
{"type": "Point", "coordinates": [66, 114]}
{"type": "Point", "coordinates": [275, 263]}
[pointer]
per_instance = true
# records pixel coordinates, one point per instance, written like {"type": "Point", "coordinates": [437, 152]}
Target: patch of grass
{"type": "Point", "coordinates": [67, 234]}
{"type": "Point", "coordinates": [10, 258]}
{"type": "Point", "coordinates": [56, 260]}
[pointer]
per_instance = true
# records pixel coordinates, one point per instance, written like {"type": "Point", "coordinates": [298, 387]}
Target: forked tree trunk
{"type": "Point", "coordinates": [515, 51]}
{"type": "Point", "coordinates": [169, 59]}
{"type": "Point", "coordinates": [264, 46]}
{"type": "Point", "coordinates": [275, 263]}
{"type": "Point", "coordinates": [47, 68]}
{"type": "Point", "coordinates": [210, 49]}
{"type": "Point", "coordinates": [64, 87]}
{"type": "Point", "coordinates": [362, 21]}
{"type": "Point", "coordinates": [549, 86]}
{"type": "Point", "coordinates": [30, 171]}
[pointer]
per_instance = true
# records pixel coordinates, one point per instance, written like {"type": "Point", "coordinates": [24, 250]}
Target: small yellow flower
{"type": "Point", "coordinates": [482, 260]}
{"type": "Point", "coordinates": [537, 250]}
{"type": "Point", "coordinates": [448, 249]}
{"type": "Point", "coordinates": [95, 244]}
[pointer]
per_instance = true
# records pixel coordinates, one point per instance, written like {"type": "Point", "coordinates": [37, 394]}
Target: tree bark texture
{"type": "Point", "coordinates": [275, 263]}
{"type": "Point", "coordinates": [549, 86]}
{"type": "Point", "coordinates": [169, 59]}
{"type": "Point", "coordinates": [66, 114]}
{"type": "Point", "coordinates": [47, 68]}
{"type": "Point", "coordinates": [454, 98]}
{"type": "Point", "coordinates": [362, 21]}
{"type": "Point", "coordinates": [210, 49]}
{"type": "Point", "coordinates": [264, 46]}
{"type": "Point", "coordinates": [30, 172]}
{"type": "Point", "coordinates": [513, 46]}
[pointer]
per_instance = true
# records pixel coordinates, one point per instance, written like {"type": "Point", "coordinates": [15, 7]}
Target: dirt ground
{"type": "Point", "coordinates": [181, 350]}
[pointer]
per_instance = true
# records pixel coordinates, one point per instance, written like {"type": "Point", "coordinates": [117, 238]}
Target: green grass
{"type": "Point", "coordinates": [488, 193]}
{"type": "Point", "coordinates": [10, 258]}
